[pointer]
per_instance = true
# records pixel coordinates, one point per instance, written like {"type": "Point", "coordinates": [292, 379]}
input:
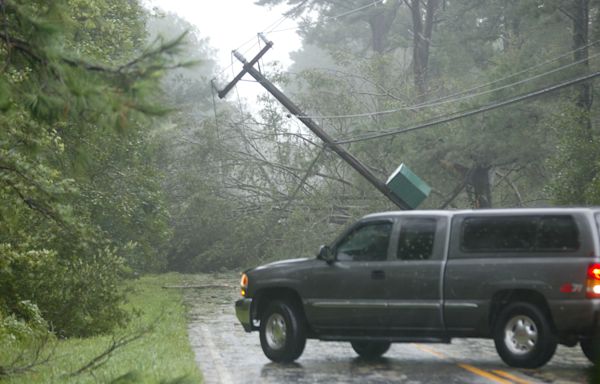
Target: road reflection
{"type": "Point", "coordinates": [289, 373]}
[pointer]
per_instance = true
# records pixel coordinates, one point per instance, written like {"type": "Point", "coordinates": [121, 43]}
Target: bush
{"type": "Point", "coordinates": [78, 297]}
{"type": "Point", "coordinates": [24, 330]}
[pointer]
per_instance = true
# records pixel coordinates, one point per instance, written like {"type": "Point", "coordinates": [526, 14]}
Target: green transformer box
{"type": "Point", "coordinates": [408, 186]}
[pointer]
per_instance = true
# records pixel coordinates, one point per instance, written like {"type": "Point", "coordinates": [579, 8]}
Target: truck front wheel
{"type": "Point", "coordinates": [282, 332]}
{"type": "Point", "coordinates": [523, 336]}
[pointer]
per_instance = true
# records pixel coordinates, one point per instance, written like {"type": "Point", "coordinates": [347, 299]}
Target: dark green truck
{"type": "Point", "coordinates": [527, 278]}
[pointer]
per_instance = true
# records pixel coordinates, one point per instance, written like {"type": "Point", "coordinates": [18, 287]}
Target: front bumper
{"type": "Point", "coordinates": [243, 310]}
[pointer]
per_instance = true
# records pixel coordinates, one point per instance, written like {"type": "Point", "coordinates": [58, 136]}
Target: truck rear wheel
{"type": "Point", "coordinates": [591, 349]}
{"type": "Point", "coordinates": [523, 336]}
{"type": "Point", "coordinates": [370, 349]}
{"type": "Point", "coordinates": [282, 332]}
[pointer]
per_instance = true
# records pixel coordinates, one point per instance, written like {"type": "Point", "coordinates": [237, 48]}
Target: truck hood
{"type": "Point", "coordinates": [281, 263]}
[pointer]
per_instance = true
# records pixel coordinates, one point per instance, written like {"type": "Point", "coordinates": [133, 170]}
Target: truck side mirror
{"type": "Point", "coordinates": [326, 253]}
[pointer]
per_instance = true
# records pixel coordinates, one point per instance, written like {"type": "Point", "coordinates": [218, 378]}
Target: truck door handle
{"type": "Point", "coordinates": [377, 275]}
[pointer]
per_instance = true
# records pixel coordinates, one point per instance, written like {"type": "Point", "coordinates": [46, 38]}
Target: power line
{"type": "Point", "coordinates": [231, 64]}
{"type": "Point", "coordinates": [333, 18]}
{"type": "Point", "coordinates": [448, 99]}
{"type": "Point", "coordinates": [371, 4]}
{"type": "Point", "coordinates": [284, 30]}
{"type": "Point", "coordinates": [430, 103]}
{"type": "Point", "coordinates": [267, 29]}
{"type": "Point", "coordinates": [473, 112]}
{"type": "Point", "coordinates": [273, 25]}
{"type": "Point", "coordinates": [271, 28]}
{"type": "Point", "coordinates": [549, 61]}
{"type": "Point", "coordinates": [452, 97]}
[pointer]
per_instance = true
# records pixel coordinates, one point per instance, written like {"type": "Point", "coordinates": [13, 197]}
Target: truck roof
{"type": "Point", "coordinates": [495, 211]}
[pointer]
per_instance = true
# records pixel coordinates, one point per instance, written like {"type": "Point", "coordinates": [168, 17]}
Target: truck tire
{"type": "Point", "coordinates": [282, 332]}
{"type": "Point", "coordinates": [370, 349]}
{"type": "Point", "coordinates": [591, 349]}
{"type": "Point", "coordinates": [523, 336]}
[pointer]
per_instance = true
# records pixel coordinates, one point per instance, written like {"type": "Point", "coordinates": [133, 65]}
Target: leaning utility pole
{"type": "Point", "coordinates": [314, 127]}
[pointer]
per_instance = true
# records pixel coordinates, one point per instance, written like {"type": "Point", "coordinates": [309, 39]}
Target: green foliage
{"type": "Point", "coordinates": [576, 165]}
{"type": "Point", "coordinates": [230, 193]}
{"type": "Point", "coordinates": [82, 205]}
{"type": "Point", "coordinates": [105, 30]}
{"type": "Point", "coordinates": [160, 356]}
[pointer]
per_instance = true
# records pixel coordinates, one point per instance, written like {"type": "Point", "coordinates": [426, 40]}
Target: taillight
{"type": "Point", "coordinates": [593, 281]}
{"type": "Point", "coordinates": [244, 284]}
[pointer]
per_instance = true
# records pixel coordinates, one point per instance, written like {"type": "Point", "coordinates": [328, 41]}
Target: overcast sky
{"type": "Point", "coordinates": [231, 23]}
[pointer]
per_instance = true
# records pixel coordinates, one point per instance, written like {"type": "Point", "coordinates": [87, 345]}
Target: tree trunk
{"type": "Point", "coordinates": [480, 183]}
{"type": "Point", "coordinates": [476, 180]}
{"type": "Point", "coordinates": [581, 19]}
{"type": "Point", "coordinates": [381, 22]}
{"type": "Point", "coordinates": [422, 30]}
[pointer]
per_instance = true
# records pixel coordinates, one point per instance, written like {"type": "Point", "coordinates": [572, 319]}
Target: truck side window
{"type": "Point", "coordinates": [416, 238]}
{"type": "Point", "coordinates": [499, 234]}
{"type": "Point", "coordinates": [545, 233]}
{"type": "Point", "coordinates": [366, 243]}
{"type": "Point", "coordinates": [557, 233]}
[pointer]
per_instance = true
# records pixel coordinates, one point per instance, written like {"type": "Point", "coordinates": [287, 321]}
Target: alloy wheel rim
{"type": "Point", "coordinates": [520, 335]}
{"type": "Point", "coordinates": [275, 331]}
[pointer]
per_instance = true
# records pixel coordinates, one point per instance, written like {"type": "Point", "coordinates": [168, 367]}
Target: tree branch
{"type": "Point", "coordinates": [27, 49]}
{"type": "Point", "coordinates": [36, 360]}
{"type": "Point", "coordinates": [566, 13]}
{"type": "Point", "coordinates": [115, 344]}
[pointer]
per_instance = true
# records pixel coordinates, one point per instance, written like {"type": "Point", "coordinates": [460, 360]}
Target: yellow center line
{"type": "Point", "coordinates": [474, 370]}
{"type": "Point", "coordinates": [511, 377]}
{"type": "Point", "coordinates": [430, 351]}
{"type": "Point", "coordinates": [485, 374]}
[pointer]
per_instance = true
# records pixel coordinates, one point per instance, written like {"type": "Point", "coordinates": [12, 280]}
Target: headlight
{"type": "Point", "coordinates": [244, 284]}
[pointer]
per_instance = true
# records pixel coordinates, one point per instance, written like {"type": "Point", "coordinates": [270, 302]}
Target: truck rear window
{"type": "Point", "coordinates": [553, 233]}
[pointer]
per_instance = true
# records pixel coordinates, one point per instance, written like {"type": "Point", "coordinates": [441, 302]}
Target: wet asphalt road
{"type": "Point", "coordinates": [227, 355]}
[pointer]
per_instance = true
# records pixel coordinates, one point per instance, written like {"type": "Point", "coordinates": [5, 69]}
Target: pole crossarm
{"type": "Point", "coordinates": [222, 93]}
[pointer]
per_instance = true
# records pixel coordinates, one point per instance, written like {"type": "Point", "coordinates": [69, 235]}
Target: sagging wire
{"type": "Point", "coordinates": [467, 113]}
{"type": "Point", "coordinates": [448, 99]}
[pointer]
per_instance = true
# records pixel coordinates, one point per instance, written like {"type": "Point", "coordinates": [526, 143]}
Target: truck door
{"type": "Point", "coordinates": [414, 274]}
{"type": "Point", "coordinates": [349, 292]}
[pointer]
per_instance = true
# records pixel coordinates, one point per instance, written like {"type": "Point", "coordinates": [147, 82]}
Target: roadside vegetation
{"type": "Point", "coordinates": [155, 346]}
{"type": "Point", "coordinates": [82, 208]}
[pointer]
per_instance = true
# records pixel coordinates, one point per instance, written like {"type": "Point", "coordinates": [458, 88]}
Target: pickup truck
{"type": "Point", "coordinates": [527, 278]}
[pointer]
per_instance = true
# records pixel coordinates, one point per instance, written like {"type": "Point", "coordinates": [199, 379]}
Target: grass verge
{"type": "Point", "coordinates": [162, 355]}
